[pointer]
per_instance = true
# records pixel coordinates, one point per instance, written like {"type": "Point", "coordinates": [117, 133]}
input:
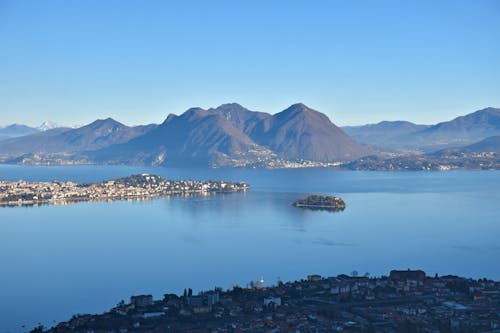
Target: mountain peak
{"type": "Point", "coordinates": [108, 122]}
{"type": "Point", "coordinates": [489, 110]}
{"type": "Point", "coordinates": [299, 107]}
{"type": "Point", "coordinates": [194, 113]}
{"type": "Point", "coordinates": [300, 110]}
{"type": "Point", "coordinates": [48, 125]}
{"type": "Point", "coordinates": [231, 106]}
{"type": "Point", "coordinates": [228, 109]}
{"type": "Point", "coordinates": [15, 130]}
{"type": "Point", "coordinates": [170, 117]}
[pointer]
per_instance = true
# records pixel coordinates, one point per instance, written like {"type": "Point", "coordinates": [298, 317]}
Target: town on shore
{"type": "Point", "coordinates": [404, 301]}
{"type": "Point", "coordinates": [143, 186]}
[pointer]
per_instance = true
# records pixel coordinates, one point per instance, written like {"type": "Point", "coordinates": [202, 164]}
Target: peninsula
{"type": "Point", "coordinates": [320, 202]}
{"type": "Point", "coordinates": [141, 186]}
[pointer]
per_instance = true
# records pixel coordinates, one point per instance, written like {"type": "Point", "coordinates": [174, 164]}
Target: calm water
{"type": "Point", "coordinates": [56, 261]}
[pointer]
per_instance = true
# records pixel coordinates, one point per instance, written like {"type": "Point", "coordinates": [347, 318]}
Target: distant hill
{"type": "Point", "coordinates": [99, 134]}
{"type": "Point", "coordinates": [488, 145]}
{"type": "Point", "coordinates": [491, 144]}
{"type": "Point", "coordinates": [457, 132]}
{"type": "Point", "coordinates": [17, 130]}
{"type": "Point", "coordinates": [233, 135]}
{"type": "Point", "coordinates": [385, 133]}
{"type": "Point", "coordinates": [460, 131]}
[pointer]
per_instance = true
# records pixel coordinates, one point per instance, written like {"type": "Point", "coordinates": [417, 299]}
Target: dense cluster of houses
{"type": "Point", "coordinates": [404, 301]}
{"type": "Point", "coordinates": [133, 187]}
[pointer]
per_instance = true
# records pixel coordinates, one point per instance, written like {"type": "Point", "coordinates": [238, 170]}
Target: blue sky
{"type": "Point", "coordinates": [357, 61]}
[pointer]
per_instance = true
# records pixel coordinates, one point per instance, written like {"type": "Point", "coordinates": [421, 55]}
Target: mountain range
{"type": "Point", "coordinates": [457, 132]}
{"type": "Point", "coordinates": [17, 130]}
{"type": "Point", "coordinates": [384, 133]}
{"type": "Point", "coordinates": [231, 135]}
{"type": "Point", "coordinates": [489, 145]}
{"type": "Point", "coordinates": [99, 134]}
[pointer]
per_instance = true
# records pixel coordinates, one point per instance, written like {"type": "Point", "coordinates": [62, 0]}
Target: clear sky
{"type": "Point", "coordinates": [357, 61]}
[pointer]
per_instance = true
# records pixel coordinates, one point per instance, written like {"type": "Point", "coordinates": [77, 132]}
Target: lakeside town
{"type": "Point", "coordinates": [384, 162]}
{"type": "Point", "coordinates": [404, 301]}
{"type": "Point", "coordinates": [143, 186]}
{"type": "Point", "coordinates": [429, 162]}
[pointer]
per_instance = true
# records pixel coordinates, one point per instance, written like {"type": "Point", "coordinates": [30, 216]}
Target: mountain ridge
{"type": "Point", "coordinates": [98, 134]}
{"type": "Point", "coordinates": [231, 135]}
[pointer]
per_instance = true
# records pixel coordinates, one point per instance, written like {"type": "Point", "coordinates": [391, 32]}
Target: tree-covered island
{"type": "Point", "coordinates": [331, 203]}
{"type": "Point", "coordinates": [141, 186]}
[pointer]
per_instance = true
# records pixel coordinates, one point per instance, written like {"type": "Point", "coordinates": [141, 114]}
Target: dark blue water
{"type": "Point", "coordinates": [56, 261]}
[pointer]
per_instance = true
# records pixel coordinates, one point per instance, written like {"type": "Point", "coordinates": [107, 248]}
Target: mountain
{"type": "Point", "coordinates": [240, 117]}
{"type": "Point", "coordinates": [48, 125]}
{"type": "Point", "coordinates": [303, 133]}
{"type": "Point", "coordinates": [488, 145]}
{"type": "Point", "coordinates": [99, 134]}
{"type": "Point", "coordinates": [460, 131]}
{"type": "Point", "coordinates": [491, 144]}
{"type": "Point", "coordinates": [233, 135]}
{"type": "Point", "coordinates": [229, 135]}
{"type": "Point", "coordinates": [198, 137]}
{"type": "Point", "coordinates": [385, 133]}
{"type": "Point", "coordinates": [17, 130]}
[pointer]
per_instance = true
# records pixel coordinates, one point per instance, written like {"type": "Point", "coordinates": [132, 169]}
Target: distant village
{"type": "Point", "coordinates": [427, 162]}
{"type": "Point", "coordinates": [404, 301]}
{"type": "Point", "coordinates": [141, 186]}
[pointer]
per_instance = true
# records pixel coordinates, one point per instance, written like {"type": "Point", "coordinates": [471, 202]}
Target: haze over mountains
{"type": "Point", "coordinates": [384, 133]}
{"type": "Point", "coordinates": [99, 134]}
{"type": "Point", "coordinates": [17, 130]}
{"type": "Point", "coordinates": [460, 131]}
{"type": "Point", "coordinates": [490, 144]}
{"type": "Point", "coordinates": [231, 135]}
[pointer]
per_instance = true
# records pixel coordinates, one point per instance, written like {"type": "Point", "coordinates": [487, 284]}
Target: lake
{"type": "Point", "coordinates": [56, 261]}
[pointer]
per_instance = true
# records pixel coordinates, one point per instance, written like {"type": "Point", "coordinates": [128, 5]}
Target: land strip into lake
{"type": "Point", "coordinates": [143, 186]}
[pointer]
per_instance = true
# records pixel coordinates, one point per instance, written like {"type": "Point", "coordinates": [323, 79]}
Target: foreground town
{"type": "Point", "coordinates": [405, 301]}
{"type": "Point", "coordinates": [141, 186]}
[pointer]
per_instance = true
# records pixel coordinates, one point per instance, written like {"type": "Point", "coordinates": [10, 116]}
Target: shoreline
{"type": "Point", "coordinates": [135, 187]}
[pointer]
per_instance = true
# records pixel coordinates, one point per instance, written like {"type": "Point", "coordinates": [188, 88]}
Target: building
{"type": "Point", "coordinates": [195, 301]}
{"type": "Point", "coordinates": [141, 300]}
{"type": "Point", "coordinates": [212, 298]}
{"type": "Point", "coordinates": [313, 277]}
{"type": "Point", "coordinates": [408, 275]}
{"type": "Point", "coordinates": [272, 301]}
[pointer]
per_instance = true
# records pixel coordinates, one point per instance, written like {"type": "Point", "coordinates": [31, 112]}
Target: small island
{"type": "Point", "coordinates": [138, 187]}
{"type": "Point", "coordinates": [319, 202]}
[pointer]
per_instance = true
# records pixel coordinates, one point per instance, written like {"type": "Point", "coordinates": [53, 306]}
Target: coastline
{"type": "Point", "coordinates": [135, 187]}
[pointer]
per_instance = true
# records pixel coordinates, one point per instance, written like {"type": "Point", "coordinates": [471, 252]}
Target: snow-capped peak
{"type": "Point", "coordinates": [48, 125]}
